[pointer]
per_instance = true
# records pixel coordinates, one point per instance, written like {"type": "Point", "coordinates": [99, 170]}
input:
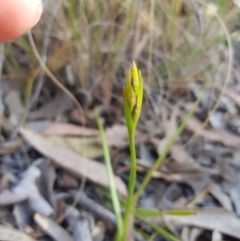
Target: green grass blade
{"type": "Point", "coordinates": [113, 191]}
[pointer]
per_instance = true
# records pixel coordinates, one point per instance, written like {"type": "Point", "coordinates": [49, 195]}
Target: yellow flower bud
{"type": "Point", "coordinates": [132, 96]}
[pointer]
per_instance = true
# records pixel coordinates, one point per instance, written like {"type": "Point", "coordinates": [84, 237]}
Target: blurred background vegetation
{"type": "Point", "coordinates": [181, 46]}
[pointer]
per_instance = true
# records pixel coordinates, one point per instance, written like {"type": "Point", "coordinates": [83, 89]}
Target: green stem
{"type": "Point", "coordinates": [113, 191]}
{"type": "Point", "coordinates": [132, 180]}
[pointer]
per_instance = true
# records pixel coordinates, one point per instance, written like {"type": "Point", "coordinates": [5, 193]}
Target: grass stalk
{"type": "Point", "coordinates": [113, 191]}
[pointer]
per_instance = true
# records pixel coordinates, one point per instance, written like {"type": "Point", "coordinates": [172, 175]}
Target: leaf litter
{"type": "Point", "coordinates": [72, 162]}
{"type": "Point", "coordinates": [40, 177]}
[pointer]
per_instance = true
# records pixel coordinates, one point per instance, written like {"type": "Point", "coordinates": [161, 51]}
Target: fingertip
{"type": "Point", "coordinates": [17, 17]}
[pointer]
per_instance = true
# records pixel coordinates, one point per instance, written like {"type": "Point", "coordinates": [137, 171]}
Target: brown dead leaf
{"type": "Point", "coordinates": [52, 228]}
{"type": "Point", "coordinates": [211, 219]}
{"type": "Point", "coordinates": [72, 162]}
{"type": "Point", "coordinates": [221, 136]}
{"type": "Point", "coordinates": [86, 147]}
{"type": "Point", "coordinates": [12, 234]}
{"type": "Point", "coordinates": [65, 129]}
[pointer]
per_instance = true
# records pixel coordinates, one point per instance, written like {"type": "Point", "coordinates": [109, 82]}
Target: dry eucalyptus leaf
{"type": "Point", "coordinates": [38, 126]}
{"type": "Point", "coordinates": [27, 189]}
{"type": "Point", "coordinates": [222, 197]}
{"type": "Point", "coordinates": [216, 236]}
{"type": "Point", "coordinates": [52, 228]}
{"type": "Point", "coordinates": [14, 103]}
{"type": "Point", "coordinates": [72, 162]}
{"type": "Point", "coordinates": [66, 129]}
{"type": "Point", "coordinates": [220, 136]}
{"type": "Point", "coordinates": [170, 127]}
{"type": "Point", "coordinates": [83, 146]}
{"type": "Point", "coordinates": [117, 136]}
{"type": "Point", "coordinates": [211, 219]}
{"type": "Point", "coordinates": [79, 224]}
{"type": "Point", "coordinates": [234, 96]}
{"type": "Point", "coordinates": [98, 231]}
{"type": "Point", "coordinates": [180, 155]}
{"type": "Point", "coordinates": [12, 234]}
{"type": "Point", "coordinates": [216, 119]}
{"type": "Point", "coordinates": [195, 233]}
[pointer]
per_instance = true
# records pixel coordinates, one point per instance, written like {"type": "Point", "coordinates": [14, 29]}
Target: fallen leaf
{"type": "Point", "coordinates": [72, 162]}
{"type": "Point", "coordinates": [14, 103]}
{"type": "Point", "coordinates": [234, 96]}
{"type": "Point", "coordinates": [216, 236]}
{"type": "Point", "coordinates": [23, 216]}
{"type": "Point", "coordinates": [46, 180]}
{"type": "Point", "coordinates": [94, 207]}
{"type": "Point", "coordinates": [195, 233]}
{"type": "Point", "coordinates": [27, 189]}
{"type": "Point", "coordinates": [98, 231]}
{"type": "Point", "coordinates": [211, 219]}
{"type": "Point", "coordinates": [65, 129]}
{"type": "Point", "coordinates": [52, 228]}
{"type": "Point", "coordinates": [79, 224]}
{"type": "Point", "coordinates": [222, 198]}
{"type": "Point", "coordinates": [38, 126]}
{"type": "Point", "coordinates": [170, 127]}
{"type": "Point", "coordinates": [12, 234]}
{"type": "Point", "coordinates": [117, 136]}
{"type": "Point", "coordinates": [217, 119]}
{"type": "Point", "coordinates": [213, 135]}
{"type": "Point", "coordinates": [181, 156]}
{"type": "Point", "coordinates": [86, 147]}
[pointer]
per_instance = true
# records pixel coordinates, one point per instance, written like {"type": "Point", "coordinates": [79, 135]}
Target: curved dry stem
{"type": "Point", "coordinates": [55, 80]}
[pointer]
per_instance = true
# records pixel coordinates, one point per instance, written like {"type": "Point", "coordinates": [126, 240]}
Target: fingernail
{"type": "Point", "coordinates": [36, 6]}
{"type": "Point", "coordinates": [39, 10]}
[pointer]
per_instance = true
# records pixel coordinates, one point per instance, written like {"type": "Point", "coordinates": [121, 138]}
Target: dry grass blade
{"type": "Point", "coordinates": [12, 234]}
{"type": "Point", "coordinates": [55, 80]}
{"type": "Point", "coordinates": [76, 164]}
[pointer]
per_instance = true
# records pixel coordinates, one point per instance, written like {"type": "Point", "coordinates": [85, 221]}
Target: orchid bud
{"type": "Point", "coordinates": [132, 97]}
